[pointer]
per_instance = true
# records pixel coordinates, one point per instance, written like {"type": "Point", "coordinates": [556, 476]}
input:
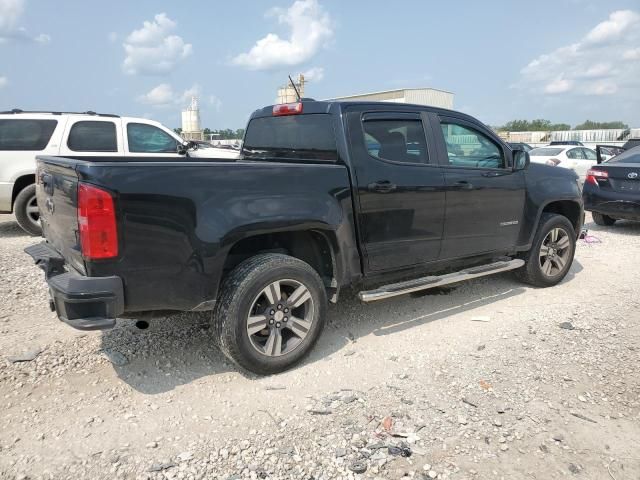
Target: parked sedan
{"type": "Point", "coordinates": [612, 189]}
{"type": "Point", "coordinates": [578, 159]}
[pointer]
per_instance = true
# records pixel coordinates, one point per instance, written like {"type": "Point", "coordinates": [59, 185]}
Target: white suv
{"type": "Point", "coordinates": [23, 135]}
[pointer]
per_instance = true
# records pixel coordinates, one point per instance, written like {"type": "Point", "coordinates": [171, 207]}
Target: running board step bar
{"type": "Point", "coordinates": [425, 283]}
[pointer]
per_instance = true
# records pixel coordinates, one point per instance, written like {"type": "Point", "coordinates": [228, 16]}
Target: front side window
{"type": "Point", "coordinates": [92, 136]}
{"type": "Point", "coordinates": [33, 135]}
{"type": "Point", "coordinates": [467, 147]}
{"type": "Point", "coordinates": [149, 139]}
{"type": "Point", "coordinates": [396, 140]}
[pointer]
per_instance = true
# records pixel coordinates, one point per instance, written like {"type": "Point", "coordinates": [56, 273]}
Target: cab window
{"type": "Point", "coordinates": [93, 136]}
{"type": "Point", "coordinates": [396, 140]}
{"type": "Point", "coordinates": [467, 147]}
{"type": "Point", "coordinates": [144, 138]}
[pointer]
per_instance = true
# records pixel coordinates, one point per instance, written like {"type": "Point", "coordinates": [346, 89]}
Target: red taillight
{"type": "Point", "coordinates": [594, 175]}
{"type": "Point", "coordinates": [97, 223]}
{"type": "Point", "coordinates": [287, 109]}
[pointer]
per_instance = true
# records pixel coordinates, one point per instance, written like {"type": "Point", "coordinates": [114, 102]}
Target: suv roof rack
{"type": "Point", "coordinates": [88, 112]}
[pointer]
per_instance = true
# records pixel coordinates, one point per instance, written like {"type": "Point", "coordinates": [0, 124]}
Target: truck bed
{"type": "Point", "coordinates": [177, 221]}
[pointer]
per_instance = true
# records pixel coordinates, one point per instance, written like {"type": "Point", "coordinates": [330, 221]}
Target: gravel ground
{"type": "Point", "coordinates": [490, 379]}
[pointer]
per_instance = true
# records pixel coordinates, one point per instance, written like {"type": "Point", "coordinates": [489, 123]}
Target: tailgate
{"type": "Point", "coordinates": [56, 191]}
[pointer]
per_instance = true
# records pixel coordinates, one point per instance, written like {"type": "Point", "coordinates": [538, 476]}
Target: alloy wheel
{"type": "Point", "coordinates": [554, 252]}
{"type": "Point", "coordinates": [280, 318]}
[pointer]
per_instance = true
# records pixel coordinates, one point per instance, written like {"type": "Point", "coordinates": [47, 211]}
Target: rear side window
{"type": "Point", "coordinates": [26, 134]}
{"type": "Point", "coordinates": [90, 136]}
{"type": "Point", "coordinates": [308, 137]}
{"type": "Point", "coordinates": [149, 139]}
{"type": "Point", "coordinates": [396, 140]}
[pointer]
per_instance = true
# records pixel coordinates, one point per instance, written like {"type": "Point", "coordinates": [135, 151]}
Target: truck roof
{"type": "Point", "coordinates": [330, 106]}
{"type": "Point", "coordinates": [45, 114]}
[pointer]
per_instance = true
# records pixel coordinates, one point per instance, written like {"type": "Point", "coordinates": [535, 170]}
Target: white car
{"type": "Point", "coordinates": [578, 159]}
{"type": "Point", "coordinates": [23, 135]}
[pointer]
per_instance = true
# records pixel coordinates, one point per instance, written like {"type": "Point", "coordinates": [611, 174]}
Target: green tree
{"type": "Point", "coordinates": [178, 130]}
{"type": "Point", "coordinates": [591, 125]}
{"type": "Point", "coordinates": [537, 125]}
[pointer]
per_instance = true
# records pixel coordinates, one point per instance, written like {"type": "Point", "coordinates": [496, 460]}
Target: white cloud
{"type": "Point", "coordinates": [311, 29]}
{"type": "Point", "coordinates": [315, 74]}
{"type": "Point", "coordinates": [597, 64]}
{"type": "Point", "coordinates": [4, 81]}
{"type": "Point", "coordinates": [615, 27]}
{"type": "Point", "coordinates": [153, 49]}
{"type": "Point", "coordinates": [10, 13]}
{"type": "Point", "coordinates": [632, 54]}
{"type": "Point", "coordinates": [164, 96]}
{"type": "Point", "coordinates": [215, 102]}
{"type": "Point", "coordinates": [559, 85]}
{"type": "Point", "coordinates": [159, 96]}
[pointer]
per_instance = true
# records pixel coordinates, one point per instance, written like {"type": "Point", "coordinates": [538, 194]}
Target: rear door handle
{"type": "Point", "coordinates": [462, 185]}
{"type": "Point", "coordinates": [382, 186]}
{"type": "Point", "coordinates": [493, 174]}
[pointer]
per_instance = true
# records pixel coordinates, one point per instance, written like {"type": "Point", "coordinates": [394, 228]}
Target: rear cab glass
{"type": "Point", "coordinates": [25, 134]}
{"type": "Point", "coordinates": [307, 137]}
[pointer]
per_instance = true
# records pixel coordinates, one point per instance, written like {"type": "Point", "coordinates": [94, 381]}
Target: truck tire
{"type": "Point", "coordinates": [551, 254]}
{"type": "Point", "coordinates": [604, 220]}
{"type": "Point", "coordinates": [270, 312]}
{"type": "Point", "coordinates": [25, 209]}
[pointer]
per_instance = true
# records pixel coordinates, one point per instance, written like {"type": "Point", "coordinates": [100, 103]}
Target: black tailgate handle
{"type": "Point", "coordinates": [47, 182]}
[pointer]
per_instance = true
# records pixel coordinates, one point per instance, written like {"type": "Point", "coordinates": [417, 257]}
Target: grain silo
{"type": "Point", "coordinates": [191, 121]}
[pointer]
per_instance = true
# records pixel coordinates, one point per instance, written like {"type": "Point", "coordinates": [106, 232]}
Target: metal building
{"type": "Point", "coordinates": [419, 96]}
{"type": "Point", "coordinates": [191, 122]}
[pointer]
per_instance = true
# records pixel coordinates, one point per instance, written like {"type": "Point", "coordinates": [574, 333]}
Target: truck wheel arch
{"type": "Point", "coordinates": [567, 208]}
{"type": "Point", "coordinates": [315, 247]}
{"type": "Point", "coordinates": [19, 184]}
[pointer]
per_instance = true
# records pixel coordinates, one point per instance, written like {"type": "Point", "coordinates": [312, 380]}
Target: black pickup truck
{"type": "Point", "coordinates": [390, 198]}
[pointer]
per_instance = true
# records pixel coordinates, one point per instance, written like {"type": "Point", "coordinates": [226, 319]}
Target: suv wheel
{"type": "Point", "coordinates": [270, 312]}
{"type": "Point", "coordinates": [603, 220]}
{"type": "Point", "coordinates": [551, 254]}
{"type": "Point", "coordinates": [26, 211]}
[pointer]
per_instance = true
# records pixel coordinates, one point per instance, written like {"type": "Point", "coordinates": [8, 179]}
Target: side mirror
{"type": "Point", "coordinates": [521, 159]}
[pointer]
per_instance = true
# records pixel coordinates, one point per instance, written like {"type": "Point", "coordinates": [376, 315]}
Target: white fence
{"type": "Point", "coordinates": [587, 137]}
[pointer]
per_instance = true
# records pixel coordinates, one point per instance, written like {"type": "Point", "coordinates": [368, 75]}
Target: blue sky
{"type": "Point", "coordinates": [564, 60]}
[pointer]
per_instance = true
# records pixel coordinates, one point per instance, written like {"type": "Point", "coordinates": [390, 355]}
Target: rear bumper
{"type": "Point", "coordinates": [613, 204]}
{"type": "Point", "coordinates": [85, 303]}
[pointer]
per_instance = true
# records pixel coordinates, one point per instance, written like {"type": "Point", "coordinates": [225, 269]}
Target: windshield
{"type": "Point", "coordinates": [545, 152]}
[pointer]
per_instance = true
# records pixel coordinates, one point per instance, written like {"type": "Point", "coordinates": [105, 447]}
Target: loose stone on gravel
{"type": "Point", "coordinates": [26, 356]}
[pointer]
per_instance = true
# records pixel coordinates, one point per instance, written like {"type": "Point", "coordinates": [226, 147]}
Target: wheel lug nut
{"type": "Point", "coordinates": [279, 307]}
{"type": "Point", "coordinates": [278, 324]}
{"type": "Point", "coordinates": [271, 322]}
{"type": "Point", "coordinates": [285, 319]}
{"type": "Point", "coordinates": [286, 310]}
{"type": "Point", "coordinates": [272, 312]}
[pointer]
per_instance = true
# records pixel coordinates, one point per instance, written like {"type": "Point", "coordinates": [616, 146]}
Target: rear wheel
{"type": "Point", "coordinates": [270, 312]}
{"type": "Point", "coordinates": [604, 220]}
{"type": "Point", "coordinates": [26, 211]}
{"type": "Point", "coordinates": [551, 254]}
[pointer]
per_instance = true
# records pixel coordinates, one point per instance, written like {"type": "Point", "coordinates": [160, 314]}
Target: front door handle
{"type": "Point", "coordinates": [493, 174]}
{"type": "Point", "coordinates": [382, 186]}
{"type": "Point", "coordinates": [462, 185]}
